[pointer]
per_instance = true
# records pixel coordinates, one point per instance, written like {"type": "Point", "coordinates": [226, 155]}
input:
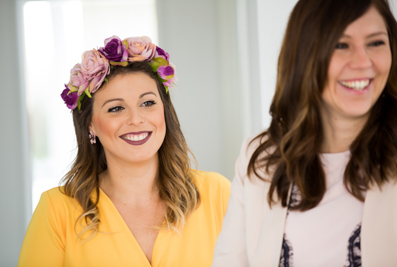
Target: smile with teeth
{"type": "Point", "coordinates": [135, 137]}
{"type": "Point", "coordinates": [357, 85]}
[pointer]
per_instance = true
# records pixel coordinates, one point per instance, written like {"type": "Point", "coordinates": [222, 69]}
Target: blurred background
{"type": "Point", "coordinates": [225, 52]}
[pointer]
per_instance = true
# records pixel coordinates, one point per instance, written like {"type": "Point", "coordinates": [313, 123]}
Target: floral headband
{"type": "Point", "coordinates": [88, 76]}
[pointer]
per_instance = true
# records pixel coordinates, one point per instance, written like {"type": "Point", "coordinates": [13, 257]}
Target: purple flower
{"type": "Point", "coordinates": [114, 50]}
{"type": "Point", "coordinates": [161, 53]}
{"type": "Point", "coordinates": [170, 82]}
{"type": "Point", "coordinates": [70, 99]}
{"type": "Point", "coordinates": [165, 72]}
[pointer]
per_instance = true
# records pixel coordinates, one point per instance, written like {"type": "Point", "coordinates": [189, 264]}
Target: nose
{"type": "Point", "coordinates": [360, 59]}
{"type": "Point", "coordinates": [135, 117]}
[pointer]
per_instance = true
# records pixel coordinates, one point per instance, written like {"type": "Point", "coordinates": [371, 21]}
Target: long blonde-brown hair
{"type": "Point", "coordinates": [291, 145]}
{"type": "Point", "coordinates": [175, 180]}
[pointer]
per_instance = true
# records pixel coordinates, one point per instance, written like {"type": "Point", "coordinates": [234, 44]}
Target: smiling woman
{"type": "Point", "coordinates": [130, 198]}
{"type": "Point", "coordinates": [139, 108]}
{"type": "Point", "coordinates": [318, 188]}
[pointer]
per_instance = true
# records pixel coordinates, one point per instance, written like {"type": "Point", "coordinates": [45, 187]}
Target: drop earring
{"type": "Point", "coordinates": [92, 137]}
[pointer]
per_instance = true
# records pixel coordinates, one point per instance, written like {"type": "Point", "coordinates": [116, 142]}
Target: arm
{"type": "Point", "coordinates": [230, 249]}
{"type": "Point", "coordinates": [43, 244]}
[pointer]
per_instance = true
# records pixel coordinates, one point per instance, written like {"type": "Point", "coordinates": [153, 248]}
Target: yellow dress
{"type": "Point", "coordinates": [51, 239]}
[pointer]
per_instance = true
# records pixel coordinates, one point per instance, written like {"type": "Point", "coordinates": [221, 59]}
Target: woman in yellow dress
{"type": "Point", "coordinates": [130, 198]}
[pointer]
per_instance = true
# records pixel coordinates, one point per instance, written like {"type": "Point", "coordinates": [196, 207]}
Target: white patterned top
{"type": "Point", "coordinates": [329, 234]}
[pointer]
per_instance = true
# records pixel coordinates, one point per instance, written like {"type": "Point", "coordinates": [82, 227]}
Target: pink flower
{"type": "Point", "coordinates": [140, 48]}
{"type": "Point", "coordinates": [94, 68]}
{"type": "Point", "coordinates": [77, 80]}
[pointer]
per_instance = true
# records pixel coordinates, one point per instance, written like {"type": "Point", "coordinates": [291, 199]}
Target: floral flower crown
{"type": "Point", "coordinates": [88, 76]}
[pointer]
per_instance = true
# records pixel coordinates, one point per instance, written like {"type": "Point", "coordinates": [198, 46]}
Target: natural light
{"type": "Point", "coordinates": [56, 33]}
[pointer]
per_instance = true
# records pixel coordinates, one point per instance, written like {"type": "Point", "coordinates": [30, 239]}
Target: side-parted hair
{"type": "Point", "coordinates": [290, 147]}
{"type": "Point", "coordinates": [175, 180]}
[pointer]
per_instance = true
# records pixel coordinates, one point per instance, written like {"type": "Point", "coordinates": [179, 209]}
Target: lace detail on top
{"type": "Point", "coordinates": [354, 248]}
{"type": "Point", "coordinates": [286, 254]}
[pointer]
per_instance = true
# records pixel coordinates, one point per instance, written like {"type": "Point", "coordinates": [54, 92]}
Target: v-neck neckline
{"type": "Point", "coordinates": [125, 228]}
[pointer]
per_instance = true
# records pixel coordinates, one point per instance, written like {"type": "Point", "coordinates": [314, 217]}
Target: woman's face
{"type": "Point", "coordinates": [128, 118]}
{"type": "Point", "coordinates": [359, 68]}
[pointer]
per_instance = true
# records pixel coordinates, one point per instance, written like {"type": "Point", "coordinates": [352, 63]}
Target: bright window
{"type": "Point", "coordinates": [56, 33]}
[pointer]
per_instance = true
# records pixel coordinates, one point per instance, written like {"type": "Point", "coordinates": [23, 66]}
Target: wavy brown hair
{"type": "Point", "coordinates": [175, 180]}
{"type": "Point", "coordinates": [290, 147]}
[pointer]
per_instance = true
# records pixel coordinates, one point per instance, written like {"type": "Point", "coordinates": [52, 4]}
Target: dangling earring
{"type": "Point", "coordinates": [92, 137]}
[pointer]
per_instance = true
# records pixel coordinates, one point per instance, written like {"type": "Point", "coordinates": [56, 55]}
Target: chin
{"type": "Point", "coordinates": [357, 113]}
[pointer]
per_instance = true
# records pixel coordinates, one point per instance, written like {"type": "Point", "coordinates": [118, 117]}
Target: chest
{"type": "Point", "coordinates": [118, 244]}
{"type": "Point", "coordinates": [143, 222]}
{"type": "Point", "coordinates": [267, 226]}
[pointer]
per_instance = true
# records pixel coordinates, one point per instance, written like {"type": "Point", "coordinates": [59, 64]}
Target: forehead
{"type": "Point", "coordinates": [128, 85]}
{"type": "Point", "coordinates": [370, 22]}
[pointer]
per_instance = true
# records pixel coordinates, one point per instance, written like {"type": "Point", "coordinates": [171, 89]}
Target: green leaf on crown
{"type": "Point", "coordinates": [125, 43]}
{"type": "Point", "coordinates": [161, 61]}
{"type": "Point", "coordinates": [81, 97]}
{"type": "Point", "coordinates": [72, 88]}
{"type": "Point", "coordinates": [154, 65]}
{"type": "Point", "coordinates": [87, 92]}
{"type": "Point", "coordinates": [115, 63]}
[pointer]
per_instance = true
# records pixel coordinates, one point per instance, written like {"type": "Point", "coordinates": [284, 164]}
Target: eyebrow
{"type": "Point", "coordinates": [122, 100]}
{"type": "Point", "coordinates": [114, 99]}
{"type": "Point", "coordinates": [369, 36]}
{"type": "Point", "coordinates": [147, 93]}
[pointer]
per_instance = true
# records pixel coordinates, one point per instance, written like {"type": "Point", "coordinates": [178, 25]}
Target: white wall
{"type": "Point", "coordinates": [15, 190]}
{"type": "Point", "coordinates": [216, 38]}
{"type": "Point", "coordinates": [272, 21]}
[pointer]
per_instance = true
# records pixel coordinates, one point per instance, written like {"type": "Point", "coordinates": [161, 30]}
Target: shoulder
{"type": "Point", "coordinates": [252, 143]}
{"type": "Point", "coordinates": [57, 202]}
{"type": "Point", "coordinates": [250, 147]}
{"type": "Point", "coordinates": [214, 190]}
{"type": "Point", "coordinates": [56, 195]}
{"type": "Point", "coordinates": [211, 181]}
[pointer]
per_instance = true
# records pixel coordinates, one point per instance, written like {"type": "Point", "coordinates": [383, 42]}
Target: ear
{"type": "Point", "coordinates": [91, 128]}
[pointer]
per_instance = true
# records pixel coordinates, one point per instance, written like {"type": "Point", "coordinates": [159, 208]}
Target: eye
{"type": "Point", "coordinates": [148, 103]}
{"type": "Point", "coordinates": [377, 43]}
{"type": "Point", "coordinates": [341, 46]}
{"type": "Point", "coordinates": [115, 109]}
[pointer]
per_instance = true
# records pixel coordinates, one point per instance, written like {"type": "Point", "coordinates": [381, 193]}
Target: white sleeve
{"type": "Point", "coordinates": [230, 249]}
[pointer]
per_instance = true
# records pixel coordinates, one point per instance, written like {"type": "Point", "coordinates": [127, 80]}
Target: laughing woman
{"type": "Point", "coordinates": [130, 198]}
{"type": "Point", "coordinates": [318, 188]}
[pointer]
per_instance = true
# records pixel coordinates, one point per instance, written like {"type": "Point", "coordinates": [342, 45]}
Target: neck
{"type": "Point", "coordinates": [130, 182]}
{"type": "Point", "coordinates": [340, 132]}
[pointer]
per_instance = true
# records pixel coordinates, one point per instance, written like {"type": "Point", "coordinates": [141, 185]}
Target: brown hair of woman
{"type": "Point", "coordinates": [290, 147]}
{"type": "Point", "coordinates": [175, 181]}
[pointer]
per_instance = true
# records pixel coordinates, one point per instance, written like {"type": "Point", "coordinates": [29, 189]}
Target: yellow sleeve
{"type": "Point", "coordinates": [217, 189]}
{"type": "Point", "coordinates": [225, 192]}
{"type": "Point", "coordinates": [43, 244]}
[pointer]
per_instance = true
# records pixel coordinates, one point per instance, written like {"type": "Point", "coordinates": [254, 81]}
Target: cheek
{"type": "Point", "coordinates": [335, 68]}
{"type": "Point", "coordinates": [159, 121]}
{"type": "Point", "coordinates": [102, 126]}
{"type": "Point", "coordinates": [384, 63]}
